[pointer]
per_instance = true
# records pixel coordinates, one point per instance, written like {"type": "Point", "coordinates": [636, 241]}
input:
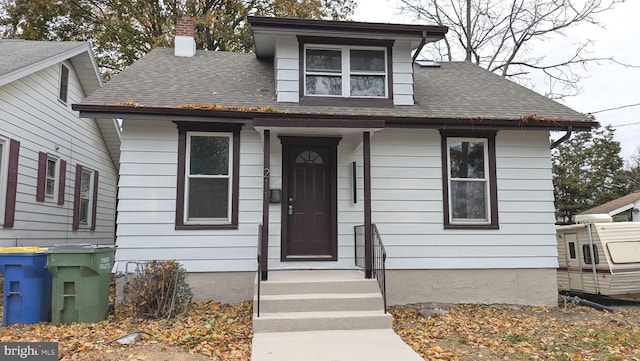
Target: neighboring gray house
{"type": "Point", "coordinates": [623, 209]}
{"type": "Point", "coordinates": [328, 126]}
{"type": "Point", "coordinates": [58, 172]}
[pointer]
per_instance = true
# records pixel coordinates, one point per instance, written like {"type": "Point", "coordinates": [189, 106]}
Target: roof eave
{"type": "Point", "coordinates": [296, 24]}
{"type": "Point", "coordinates": [247, 116]}
{"type": "Point", "coordinates": [42, 64]}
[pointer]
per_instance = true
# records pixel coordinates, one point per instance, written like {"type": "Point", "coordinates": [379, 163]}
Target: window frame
{"type": "Point", "coordinates": [488, 137]}
{"type": "Point", "coordinates": [4, 160]}
{"type": "Point", "coordinates": [92, 205]}
{"type": "Point", "coordinates": [63, 84]}
{"type": "Point", "coordinates": [345, 45]}
{"type": "Point", "coordinates": [185, 130]}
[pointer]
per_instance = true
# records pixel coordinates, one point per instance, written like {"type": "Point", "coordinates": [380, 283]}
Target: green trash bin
{"type": "Point", "coordinates": [80, 284]}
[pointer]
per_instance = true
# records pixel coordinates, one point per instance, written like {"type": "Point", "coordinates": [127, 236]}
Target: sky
{"type": "Point", "coordinates": [605, 85]}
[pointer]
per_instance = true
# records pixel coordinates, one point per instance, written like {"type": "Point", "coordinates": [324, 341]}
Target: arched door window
{"type": "Point", "coordinates": [309, 157]}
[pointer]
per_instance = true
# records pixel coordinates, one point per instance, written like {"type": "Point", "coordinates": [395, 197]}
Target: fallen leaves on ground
{"type": "Point", "coordinates": [476, 332]}
{"type": "Point", "coordinates": [210, 330]}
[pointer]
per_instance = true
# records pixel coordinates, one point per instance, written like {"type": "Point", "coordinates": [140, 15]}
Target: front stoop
{"type": "Point", "coordinates": [318, 301]}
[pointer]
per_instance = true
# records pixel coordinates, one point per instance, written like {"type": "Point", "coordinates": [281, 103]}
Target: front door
{"type": "Point", "coordinates": [309, 214]}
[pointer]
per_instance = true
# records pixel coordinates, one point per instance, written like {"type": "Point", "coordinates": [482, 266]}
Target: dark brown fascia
{"type": "Point", "coordinates": [295, 24]}
{"type": "Point", "coordinates": [291, 118]}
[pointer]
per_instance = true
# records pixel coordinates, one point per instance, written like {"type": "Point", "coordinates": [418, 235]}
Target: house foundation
{"type": "Point", "coordinates": [534, 287]}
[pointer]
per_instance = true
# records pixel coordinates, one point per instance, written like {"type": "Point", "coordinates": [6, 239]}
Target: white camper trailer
{"type": "Point", "coordinates": [598, 256]}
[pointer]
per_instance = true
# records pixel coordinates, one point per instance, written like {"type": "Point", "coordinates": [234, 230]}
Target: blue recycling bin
{"type": "Point", "coordinates": [27, 285]}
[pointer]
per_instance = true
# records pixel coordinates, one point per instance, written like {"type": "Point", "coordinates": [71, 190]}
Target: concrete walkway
{"type": "Point", "coordinates": [343, 345]}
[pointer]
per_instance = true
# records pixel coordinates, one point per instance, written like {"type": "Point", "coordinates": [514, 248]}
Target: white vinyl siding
{"type": "Point", "coordinates": [286, 66]}
{"type": "Point", "coordinates": [402, 70]}
{"type": "Point", "coordinates": [31, 112]}
{"type": "Point", "coordinates": [147, 204]}
{"type": "Point", "coordinates": [407, 204]}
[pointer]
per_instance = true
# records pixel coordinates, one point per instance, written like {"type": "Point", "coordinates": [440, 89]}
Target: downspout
{"type": "Point", "coordinates": [593, 259]}
{"type": "Point", "coordinates": [413, 60]}
{"type": "Point", "coordinates": [419, 49]}
{"type": "Point", "coordinates": [563, 138]}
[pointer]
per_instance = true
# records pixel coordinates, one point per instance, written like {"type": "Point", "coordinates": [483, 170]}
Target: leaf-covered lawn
{"type": "Point", "coordinates": [208, 328]}
{"type": "Point", "coordinates": [474, 332]}
{"type": "Point", "coordinates": [467, 332]}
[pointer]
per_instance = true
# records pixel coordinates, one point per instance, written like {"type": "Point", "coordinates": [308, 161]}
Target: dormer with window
{"type": "Point", "coordinates": [323, 62]}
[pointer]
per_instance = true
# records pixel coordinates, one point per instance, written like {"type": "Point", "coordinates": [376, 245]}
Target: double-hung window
{"type": "Point", "coordinates": [51, 178]}
{"type": "Point", "coordinates": [64, 83]}
{"type": "Point", "coordinates": [3, 176]}
{"type": "Point", "coordinates": [349, 71]}
{"type": "Point", "coordinates": [470, 194]}
{"type": "Point", "coordinates": [85, 198]}
{"type": "Point", "coordinates": [345, 71]}
{"type": "Point", "coordinates": [208, 177]}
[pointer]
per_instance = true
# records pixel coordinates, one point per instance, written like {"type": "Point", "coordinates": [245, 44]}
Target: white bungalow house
{"type": "Point", "coordinates": [623, 209]}
{"type": "Point", "coordinates": [333, 135]}
{"type": "Point", "coordinates": [58, 172]}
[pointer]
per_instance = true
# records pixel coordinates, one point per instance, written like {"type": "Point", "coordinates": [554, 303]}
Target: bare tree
{"type": "Point", "coordinates": [498, 35]}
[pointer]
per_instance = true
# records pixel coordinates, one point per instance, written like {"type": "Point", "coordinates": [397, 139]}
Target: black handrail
{"type": "Point", "coordinates": [259, 276]}
{"type": "Point", "coordinates": [379, 263]}
{"type": "Point", "coordinates": [378, 256]}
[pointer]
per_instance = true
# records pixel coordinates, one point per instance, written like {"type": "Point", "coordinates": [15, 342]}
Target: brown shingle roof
{"type": "Point", "coordinates": [618, 203]}
{"type": "Point", "coordinates": [455, 90]}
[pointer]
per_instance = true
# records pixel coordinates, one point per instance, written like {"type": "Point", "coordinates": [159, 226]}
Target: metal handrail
{"type": "Point", "coordinates": [378, 256]}
{"type": "Point", "coordinates": [259, 276]}
{"type": "Point", "coordinates": [379, 263]}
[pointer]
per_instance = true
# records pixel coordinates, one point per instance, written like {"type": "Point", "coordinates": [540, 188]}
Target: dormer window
{"type": "Point", "coordinates": [345, 71]}
{"type": "Point", "coordinates": [342, 71]}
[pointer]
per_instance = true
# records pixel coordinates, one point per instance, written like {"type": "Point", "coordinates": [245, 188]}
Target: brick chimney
{"type": "Point", "coordinates": [185, 45]}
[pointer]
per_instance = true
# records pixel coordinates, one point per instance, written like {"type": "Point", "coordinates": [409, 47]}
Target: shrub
{"type": "Point", "coordinates": [158, 289]}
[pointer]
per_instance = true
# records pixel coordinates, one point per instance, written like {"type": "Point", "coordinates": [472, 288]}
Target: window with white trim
{"type": "Point", "coordinates": [469, 184]}
{"type": "Point", "coordinates": [4, 151]}
{"type": "Point", "coordinates": [86, 191]}
{"type": "Point", "coordinates": [208, 178]}
{"type": "Point", "coordinates": [51, 177]}
{"type": "Point", "coordinates": [345, 71]}
{"type": "Point", "coordinates": [64, 83]}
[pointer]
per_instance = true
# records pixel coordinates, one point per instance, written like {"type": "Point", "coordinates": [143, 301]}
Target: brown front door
{"type": "Point", "coordinates": [309, 203]}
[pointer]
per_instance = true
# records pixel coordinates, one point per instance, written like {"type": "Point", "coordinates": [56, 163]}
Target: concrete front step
{"type": "Point", "coordinates": [317, 302]}
{"type": "Point", "coordinates": [277, 287]}
{"type": "Point", "coordinates": [318, 321]}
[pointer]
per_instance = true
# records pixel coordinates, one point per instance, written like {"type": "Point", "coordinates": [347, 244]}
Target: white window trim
{"type": "Point", "coordinates": [346, 70]}
{"type": "Point", "coordinates": [187, 176]}
{"type": "Point", "coordinates": [4, 157]}
{"type": "Point", "coordinates": [63, 66]}
{"type": "Point", "coordinates": [486, 180]}
{"type": "Point", "coordinates": [56, 175]}
{"type": "Point", "coordinates": [87, 223]}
